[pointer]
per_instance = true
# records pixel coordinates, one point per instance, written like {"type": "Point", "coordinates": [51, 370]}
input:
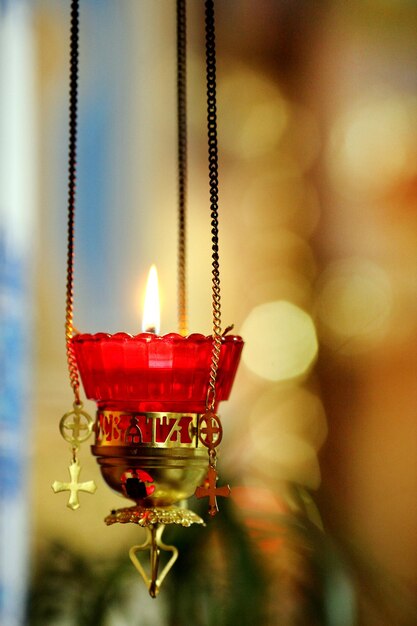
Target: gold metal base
{"type": "Point", "coordinates": [147, 517]}
{"type": "Point", "coordinates": [156, 460]}
{"type": "Point", "coordinates": [154, 544]}
{"type": "Point", "coordinates": [154, 521]}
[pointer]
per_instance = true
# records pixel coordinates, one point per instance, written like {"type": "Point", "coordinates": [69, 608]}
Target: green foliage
{"type": "Point", "coordinates": [222, 577]}
{"type": "Point", "coordinates": [219, 579]}
{"type": "Point", "coordinates": [69, 585]}
{"type": "Point", "coordinates": [221, 585]}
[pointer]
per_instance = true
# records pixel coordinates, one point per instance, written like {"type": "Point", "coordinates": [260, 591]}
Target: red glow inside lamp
{"type": "Point", "coordinates": [149, 372]}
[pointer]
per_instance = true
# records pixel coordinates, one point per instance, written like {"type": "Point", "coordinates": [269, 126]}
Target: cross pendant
{"type": "Point", "coordinates": [210, 490]}
{"type": "Point", "coordinates": [74, 486]}
{"type": "Point", "coordinates": [76, 426]}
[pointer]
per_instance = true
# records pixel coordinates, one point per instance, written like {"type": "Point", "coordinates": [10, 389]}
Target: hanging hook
{"type": "Point", "coordinates": [154, 544]}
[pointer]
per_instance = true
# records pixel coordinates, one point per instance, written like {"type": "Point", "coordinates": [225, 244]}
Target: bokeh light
{"type": "Point", "coordinates": [282, 197]}
{"type": "Point", "coordinates": [302, 137]}
{"type": "Point", "coordinates": [280, 249]}
{"type": "Point", "coordinates": [374, 141]}
{"type": "Point", "coordinates": [281, 341]}
{"type": "Point", "coordinates": [287, 427]}
{"type": "Point", "coordinates": [281, 284]}
{"type": "Point", "coordinates": [293, 410]}
{"type": "Point", "coordinates": [286, 458]}
{"type": "Point", "coordinates": [353, 304]}
{"type": "Point", "coordinates": [256, 114]}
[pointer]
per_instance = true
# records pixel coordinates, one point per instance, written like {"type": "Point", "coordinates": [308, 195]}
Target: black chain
{"type": "Point", "coordinates": [214, 194]}
{"type": "Point", "coordinates": [182, 160]}
{"type": "Point", "coordinates": [72, 177]}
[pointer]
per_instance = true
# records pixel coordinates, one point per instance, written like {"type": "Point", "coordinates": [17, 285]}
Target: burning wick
{"type": "Point", "coordinates": [151, 312]}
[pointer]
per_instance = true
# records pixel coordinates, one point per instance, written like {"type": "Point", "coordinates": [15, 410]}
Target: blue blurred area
{"type": "Point", "coordinates": [15, 429]}
{"type": "Point", "coordinates": [17, 207]}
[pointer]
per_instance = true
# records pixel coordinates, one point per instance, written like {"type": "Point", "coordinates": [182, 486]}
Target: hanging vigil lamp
{"type": "Point", "coordinates": [157, 428]}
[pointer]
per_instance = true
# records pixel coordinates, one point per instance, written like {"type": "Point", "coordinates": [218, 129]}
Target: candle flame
{"type": "Point", "coordinates": [151, 311]}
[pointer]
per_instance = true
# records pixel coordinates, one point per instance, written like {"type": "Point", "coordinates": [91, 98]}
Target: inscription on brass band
{"type": "Point", "coordinates": [163, 430]}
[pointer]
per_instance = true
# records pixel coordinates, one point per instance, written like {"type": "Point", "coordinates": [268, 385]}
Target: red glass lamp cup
{"type": "Point", "coordinates": [148, 372]}
{"type": "Point", "coordinates": [150, 391]}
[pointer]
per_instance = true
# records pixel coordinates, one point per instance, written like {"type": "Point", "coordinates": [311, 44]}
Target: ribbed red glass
{"type": "Point", "coordinates": [149, 372]}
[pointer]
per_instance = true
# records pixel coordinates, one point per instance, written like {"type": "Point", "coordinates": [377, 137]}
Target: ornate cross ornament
{"type": "Point", "coordinates": [76, 425]}
{"type": "Point", "coordinates": [210, 430]}
{"type": "Point", "coordinates": [74, 486]}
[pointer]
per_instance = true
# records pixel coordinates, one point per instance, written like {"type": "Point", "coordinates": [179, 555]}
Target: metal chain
{"type": "Point", "coordinates": [182, 170]}
{"type": "Point", "coordinates": [214, 196]}
{"type": "Point", "coordinates": [182, 160]}
{"type": "Point", "coordinates": [72, 171]}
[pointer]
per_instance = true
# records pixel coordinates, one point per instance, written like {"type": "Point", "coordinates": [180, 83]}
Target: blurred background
{"type": "Point", "coordinates": [317, 105]}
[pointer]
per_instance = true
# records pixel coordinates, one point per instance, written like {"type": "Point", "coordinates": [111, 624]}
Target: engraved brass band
{"type": "Point", "coordinates": [148, 430]}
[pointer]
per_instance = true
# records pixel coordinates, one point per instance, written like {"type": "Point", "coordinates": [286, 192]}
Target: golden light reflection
{"type": "Point", "coordinates": [262, 128]}
{"type": "Point", "coordinates": [354, 304]}
{"type": "Point", "coordinates": [285, 457]}
{"type": "Point", "coordinates": [302, 137]}
{"type": "Point", "coordinates": [281, 341]}
{"type": "Point", "coordinates": [282, 284]}
{"type": "Point", "coordinates": [280, 249]}
{"type": "Point", "coordinates": [375, 141]}
{"type": "Point", "coordinates": [151, 320]}
{"type": "Point", "coordinates": [287, 427]}
{"type": "Point", "coordinates": [291, 410]}
{"type": "Point", "coordinates": [280, 199]}
{"type": "Point", "coordinates": [256, 116]}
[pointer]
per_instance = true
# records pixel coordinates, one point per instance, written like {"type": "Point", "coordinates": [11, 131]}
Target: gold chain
{"type": "Point", "coordinates": [182, 161]}
{"type": "Point", "coordinates": [72, 171]}
{"type": "Point", "coordinates": [214, 197]}
{"type": "Point", "coordinates": [76, 425]}
{"type": "Point", "coordinates": [213, 177]}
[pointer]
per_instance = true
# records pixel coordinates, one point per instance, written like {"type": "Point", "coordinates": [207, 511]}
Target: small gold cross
{"type": "Point", "coordinates": [74, 486]}
{"type": "Point", "coordinates": [210, 490]}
